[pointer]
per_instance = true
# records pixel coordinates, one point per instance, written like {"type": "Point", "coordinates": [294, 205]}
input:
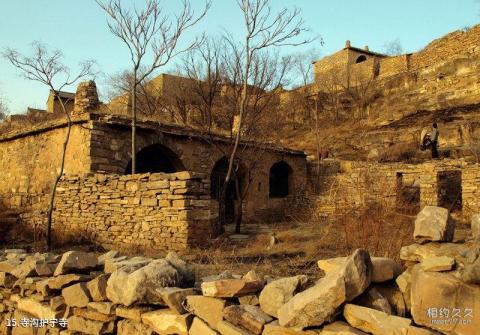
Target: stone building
{"type": "Point", "coordinates": [180, 172]}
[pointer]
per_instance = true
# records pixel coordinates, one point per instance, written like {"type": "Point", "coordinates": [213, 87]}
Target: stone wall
{"type": "Point", "coordinates": [30, 161]}
{"type": "Point", "coordinates": [147, 211]}
{"type": "Point", "coordinates": [471, 189]}
{"type": "Point", "coordinates": [355, 185]}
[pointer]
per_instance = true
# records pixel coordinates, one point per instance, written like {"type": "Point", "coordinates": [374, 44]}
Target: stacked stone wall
{"type": "Point", "coordinates": [455, 44]}
{"type": "Point", "coordinates": [356, 185]}
{"type": "Point", "coordinates": [471, 189]}
{"type": "Point", "coordinates": [390, 66]}
{"type": "Point", "coordinates": [146, 211]}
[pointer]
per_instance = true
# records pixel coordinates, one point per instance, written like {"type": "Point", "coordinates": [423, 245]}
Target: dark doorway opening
{"type": "Point", "coordinates": [408, 195]}
{"type": "Point", "coordinates": [217, 180]}
{"type": "Point", "coordinates": [280, 180]}
{"type": "Point", "coordinates": [156, 158]}
{"type": "Point", "coordinates": [450, 190]}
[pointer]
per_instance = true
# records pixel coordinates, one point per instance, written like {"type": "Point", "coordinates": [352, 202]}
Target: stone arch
{"type": "Point", "coordinates": [156, 158]}
{"type": "Point", "coordinates": [280, 180]}
{"type": "Point", "coordinates": [360, 59]}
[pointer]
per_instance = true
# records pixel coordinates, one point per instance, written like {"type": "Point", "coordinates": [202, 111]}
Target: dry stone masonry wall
{"type": "Point", "coordinates": [150, 211]}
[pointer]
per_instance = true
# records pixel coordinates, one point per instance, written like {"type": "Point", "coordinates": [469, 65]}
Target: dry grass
{"type": "Point", "coordinates": [301, 244]}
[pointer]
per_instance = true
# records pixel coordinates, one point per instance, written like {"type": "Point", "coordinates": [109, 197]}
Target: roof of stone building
{"type": "Point", "coordinates": [368, 52]}
{"type": "Point", "coordinates": [125, 121]}
{"type": "Point", "coordinates": [63, 94]}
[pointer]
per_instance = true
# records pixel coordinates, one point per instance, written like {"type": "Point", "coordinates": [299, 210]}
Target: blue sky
{"type": "Point", "coordinates": [78, 28]}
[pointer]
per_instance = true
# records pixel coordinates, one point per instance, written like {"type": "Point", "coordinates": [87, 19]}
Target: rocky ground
{"type": "Point", "coordinates": [435, 289]}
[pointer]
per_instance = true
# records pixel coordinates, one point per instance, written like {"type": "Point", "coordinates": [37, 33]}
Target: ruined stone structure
{"type": "Point", "coordinates": [177, 210]}
{"type": "Point", "coordinates": [345, 186]}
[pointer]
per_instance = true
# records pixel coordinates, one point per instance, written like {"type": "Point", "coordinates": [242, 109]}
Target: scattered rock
{"type": "Point", "coordinates": [384, 269]}
{"type": "Point", "coordinates": [139, 286]}
{"type": "Point", "coordinates": [435, 291]}
{"type": "Point", "coordinates": [199, 327]}
{"type": "Point", "coordinates": [98, 287]}
{"type": "Point", "coordinates": [375, 322]}
{"type": "Point", "coordinates": [174, 297]}
{"type": "Point", "coordinates": [226, 328]}
{"type": "Point", "coordinates": [164, 321]}
{"type": "Point", "coordinates": [129, 327]}
{"type": "Point", "coordinates": [76, 261]}
{"type": "Point", "coordinates": [133, 313]}
{"type": "Point", "coordinates": [471, 273]}
{"type": "Point", "coordinates": [340, 328]}
{"type": "Point", "coordinates": [79, 324]}
{"type": "Point", "coordinates": [433, 224]}
{"type": "Point", "coordinates": [278, 292]}
{"type": "Point", "coordinates": [319, 303]}
{"type": "Point", "coordinates": [330, 264]}
{"type": "Point", "coordinates": [475, 227]}
{"type": "Point", "coordinates": [372, 298]}
{"type": "Point", "coordinates": [274, 328]}
{"type": "Point", "coordinates": [76, 295]}
{"type": "Point", "coordinates": [251, 318]}
{"type": "Point", "coordinates": [249, 300]}
{"type": "Point", "coordinates": [207, 308]}
{"type": "Point", "coordinates": [229, 288]}
{"type": "Point", "coordinates": [437, 263]}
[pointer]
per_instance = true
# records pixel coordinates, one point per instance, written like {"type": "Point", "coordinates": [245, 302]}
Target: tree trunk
{"type": "Point", "coordinates": [238, 207]}
{"type": "Point", "coordinates": [59, 176]}
{"type": "Point", "coordinates": [219, 225]}
{"type": "Point", "coordinates": [134, 123]}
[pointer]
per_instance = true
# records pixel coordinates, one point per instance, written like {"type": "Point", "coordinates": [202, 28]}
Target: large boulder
{"type": "Point", "coordinates": [278, 292]}
{"type": "Point", "coordinates": [445, 303]}
{"type": "Point", "coordinates": [76, 261]}
{"type": "Point", "coordinates": [471, 273]}
{"type": "Point", "coordinates": [129, 285]}
{"type": "Point", "coordinates": [319, 303]}
{"type": "Point", "coordinates": [433, 224]}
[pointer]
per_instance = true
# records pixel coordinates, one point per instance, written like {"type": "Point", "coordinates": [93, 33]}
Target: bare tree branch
{"type": "Point", "coordinates": [46, 67]}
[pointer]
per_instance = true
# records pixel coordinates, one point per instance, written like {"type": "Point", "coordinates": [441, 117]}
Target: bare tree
{"type": "Point", "coordinates": [46, 67]}
{"type": "Point", "coordinates": [263, 30]}
{"type": "Point", "coordinates": [393, 48]}
{"type": "Point", "coordinates": [145, 31]}
{"type": "Point", "coordinates": [3, 109]}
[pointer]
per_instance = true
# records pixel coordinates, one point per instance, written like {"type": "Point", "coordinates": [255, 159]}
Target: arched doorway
{"type": "Point", "coordinates": [217, 180]}
{"type": "Point", "coordinates": [156, 158]}
{"type": "Point", "coordinates": [279, 180]}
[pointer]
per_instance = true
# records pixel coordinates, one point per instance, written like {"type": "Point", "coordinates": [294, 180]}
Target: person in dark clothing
{"type": "Point", "coordinates": [434, 139]}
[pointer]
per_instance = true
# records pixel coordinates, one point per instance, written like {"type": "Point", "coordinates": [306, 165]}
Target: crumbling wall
{"type": "Point", "coordinates": [146, 211]}
{"type": "Point", "coordinates": [358, 184]}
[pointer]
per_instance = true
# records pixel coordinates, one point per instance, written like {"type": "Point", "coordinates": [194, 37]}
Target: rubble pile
{"type": "Point", "coordinates": [435, 291]}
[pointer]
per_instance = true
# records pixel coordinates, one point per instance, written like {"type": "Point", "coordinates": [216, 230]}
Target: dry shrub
{"type": "Point", "coordinates": [400, 152]}
{"type": "Point", "coordinates": [380, 230]}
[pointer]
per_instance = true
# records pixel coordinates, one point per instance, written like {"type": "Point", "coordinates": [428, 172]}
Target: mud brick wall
{"type": "Point", "coordinates": [147, 211]}
{"type": "Point", "coordinates": [471, 189]}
